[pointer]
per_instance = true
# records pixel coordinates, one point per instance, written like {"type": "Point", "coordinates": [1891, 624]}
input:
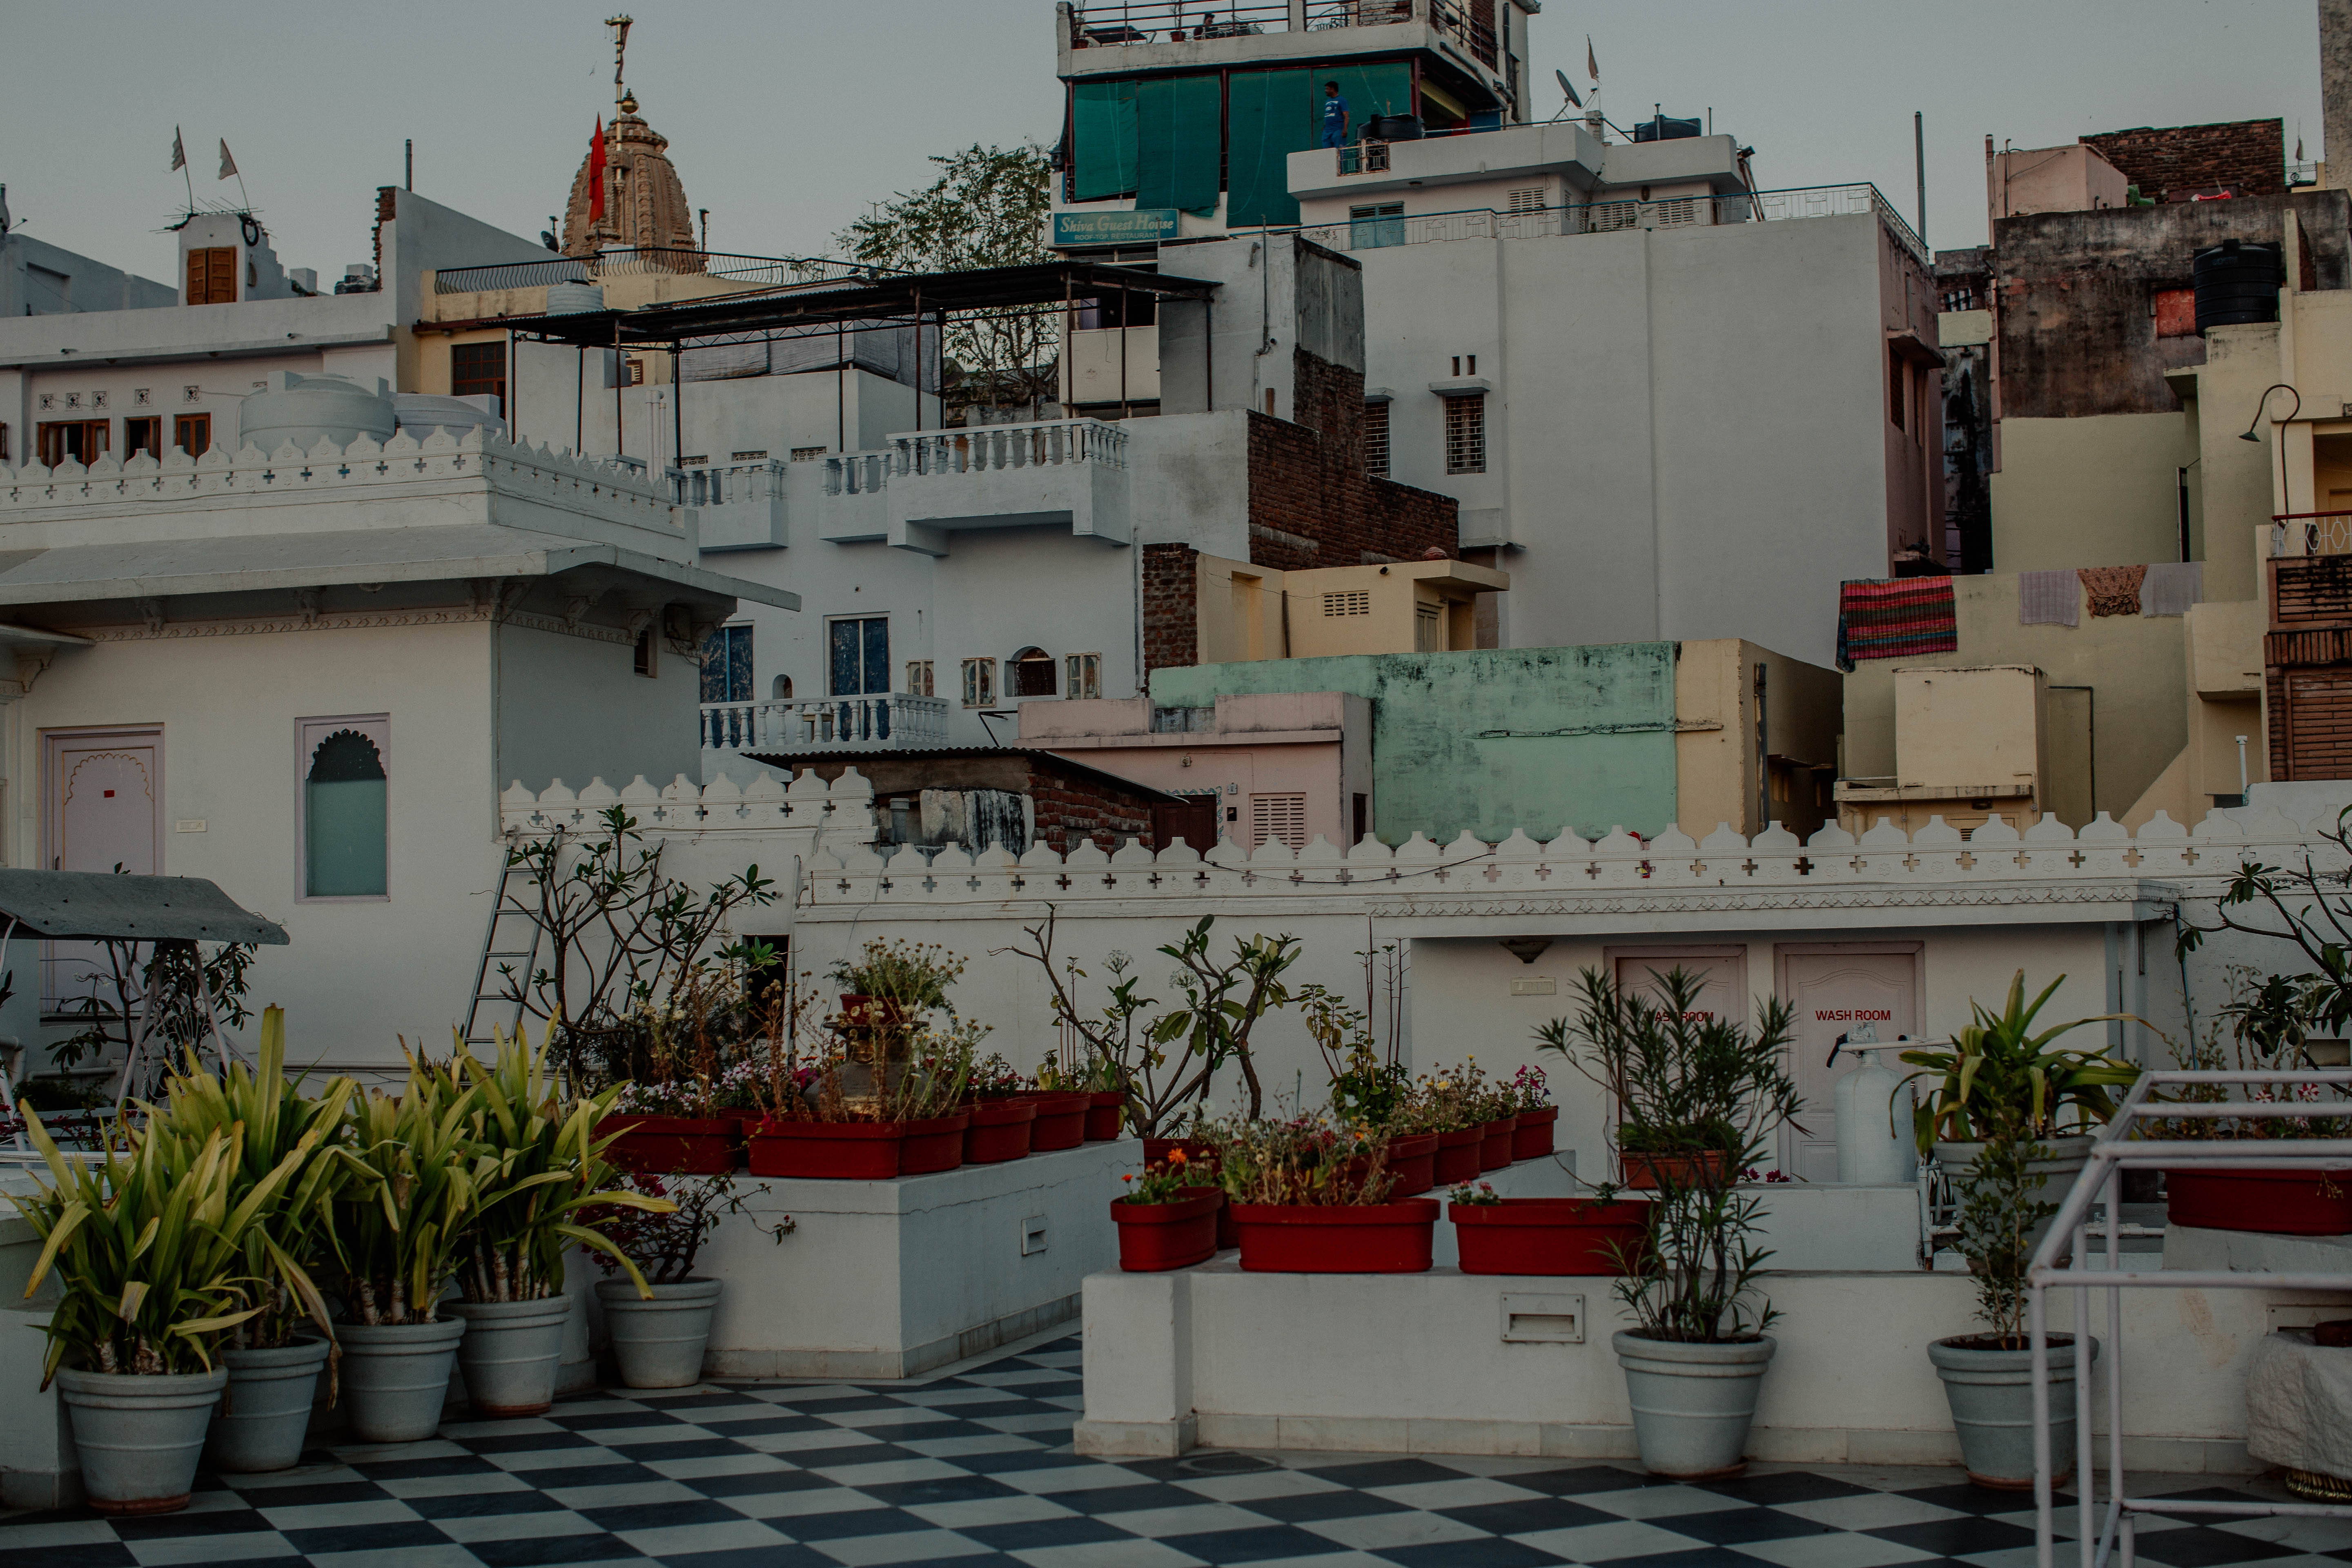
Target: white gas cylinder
{"type": "Point", "coordinates": [1872, 1147]}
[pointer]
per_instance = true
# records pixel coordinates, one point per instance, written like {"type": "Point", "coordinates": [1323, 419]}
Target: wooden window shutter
{"type": "Point", "coordinates": [211, 276]}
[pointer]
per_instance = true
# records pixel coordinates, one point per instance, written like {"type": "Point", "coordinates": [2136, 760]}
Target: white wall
{"type": "Point", "coordinates": [548, 682]}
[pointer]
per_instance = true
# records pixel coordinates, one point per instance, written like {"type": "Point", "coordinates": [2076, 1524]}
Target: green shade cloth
{"type": "Point", "coordinates": [1176, 126]}
{"type": "Point", "coordinates": [344, 818]}
{"type": "Point", "coordinates": [1275, 113]}
{"type": "Point", "coordinates": [1103, 120]}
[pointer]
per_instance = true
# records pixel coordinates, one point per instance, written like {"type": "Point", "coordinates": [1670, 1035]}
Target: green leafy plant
{"type": "Point", "coordinates": [2268, 1020]}
{"type": "Point", "coordinates": [1999, 1211]}
{"type": "Point", "coordinates": [1177, 1179]}
{"type": "Point", "coordinates": [1479, 1195]}
{"type": "Point", "coordinates": [1996, 1066]}
{"type": "Point", "coordinates": [398, 1232]}
{"type": "Point", "coordinates": [288, 1237]}
{"type": "Point", "coordinates": [1302, 1160]}
{"type": "Point", "coordinates": [915, 975]}
{"type": "Point", "coordinates": [149, 1250]}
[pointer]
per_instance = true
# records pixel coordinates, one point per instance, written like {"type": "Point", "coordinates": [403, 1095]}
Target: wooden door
{"type": "Point", "coordinates": [1862, 991]}
{"type": "Point", "coordinates": [104, 811]}
{"type": "Point", "coordinates": [1723, 970]}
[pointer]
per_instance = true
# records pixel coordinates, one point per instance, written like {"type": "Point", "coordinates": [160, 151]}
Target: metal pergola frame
{"type": "Point", "coordinates": [835, 305]}
{"type": "Point", "coordinates": [2116, 1150]}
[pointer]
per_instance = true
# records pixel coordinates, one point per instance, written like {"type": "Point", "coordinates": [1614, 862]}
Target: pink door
{"type": "Point", "coordinates": [104, 810]}
{"type": "Point", "coordinates": [1868, 997]}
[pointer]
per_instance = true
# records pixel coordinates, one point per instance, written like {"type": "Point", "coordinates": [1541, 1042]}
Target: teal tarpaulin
{"type": "Point", "coordinates": [1276, 113]}
{"type": "Point", "coordinates": [1104, 123]}
{"type": "Point", "coordinates": [1177, 125]}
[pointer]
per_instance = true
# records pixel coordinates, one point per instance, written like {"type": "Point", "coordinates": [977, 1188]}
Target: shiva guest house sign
{"type": "Point", "coordinates": [1143, 226]}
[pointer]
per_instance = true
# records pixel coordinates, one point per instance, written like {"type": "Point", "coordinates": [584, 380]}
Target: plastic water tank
{"type": "Point", "coordinates": [1394, 128]}
{"type": "Point", "coordinates": [2237, 281]}
{"type": "Point", "coordinates": [574, 298]}
{"type": "Point", "coordinates": [301, 408]}
{"type": "Point", "coordinates": [1666, 128]}
{"type": "Point", "coordinates": [422, 413]}
{"type": "Point", "coordinates": [1874, 1138]}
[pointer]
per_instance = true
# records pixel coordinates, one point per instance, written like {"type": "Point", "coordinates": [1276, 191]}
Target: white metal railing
{"type": "Point", "coordinates": [2322, 533]}
{"type": "Point", "coordinates": [979, 448]}
{"type": "Point", "coordinates": [1108, 24]}
{"type": "Point", "coordinates": [2130, 1142]}
{"type": "Point", "coordinates": [898, 720]}
{"type": "Point", "coordinates": [727, 484]}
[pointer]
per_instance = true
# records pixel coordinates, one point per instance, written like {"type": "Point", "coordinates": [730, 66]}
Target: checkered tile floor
{"type": "Point", "coordinates": [976, 1466]}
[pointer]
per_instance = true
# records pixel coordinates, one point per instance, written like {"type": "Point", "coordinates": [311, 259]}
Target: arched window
{"type": "Point", "coordinates": [1033, 673]}
{"type": "Point", "coordinates": [344, 807]}
{"type": "Point", "coordinates": [783, 686]}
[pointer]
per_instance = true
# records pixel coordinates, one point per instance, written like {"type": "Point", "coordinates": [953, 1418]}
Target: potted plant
{"type": "Point", "coordinates": [1499, 1105]}
{"type": "Point", "coordinates": [1370, 1085]}
{"type": "Point", "coordinates": [1530, 1100]}
{"type": "Point", "coordinates": [1599, 1234]}
{"type": "Point", "coordinates": [1168, 1217]}
{"type": "Point", "coordinates": [534, 1165]}
{"type": "Point", "coordinates": [906, 1118]}
{"type": "Point", "coordinates": [895, 983]}
{"type": "Point", "coordinates": [147, 1244]}
{"type": "Point", "coordinates": [1989, 1377]}
{"type": "Point", "coordinates": [273, 1359]}
{"type": "Point", "coordinates": [1451, 1103]}
{"type": "Point", "coordinates": [1696, 1357]}
{"type": "Point", "coordinates": [658, 1333]}
{"type": "Point", "coordinates": [684, 1111]}
{"type": "Point", "coordinates": [1298, 1208]}
{"type": "Point", "coordinates": [1997, 1073]}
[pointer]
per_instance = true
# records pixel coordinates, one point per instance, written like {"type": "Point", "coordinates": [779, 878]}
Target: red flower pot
{"type": "Point", "coordinates": [1704, 1169]}
{"type": "Point", "coordinates": [1457, 1156]}
{"type": "Point", "coordinates": [1494, 1143]}
{"type": "Point", "coordinates": [674, 1145]}
{"type": "Point", "coordinates": [1533, 1140]}
{"type": "Point", "coordinates": [1413, 1158]}
{"type": "Point", "coordinates": [933, 1145]}
{"type": "Point", "coordinates": [1316, 1239]}
{"type": "Point", "coordinates": [1106, 1110]}
{"type": "Point", "coordinates": [998, 1131]}
{"type": "Point", "coordinates": [1155, 1237]}
{"type": "Point", "coordinates": [1549, 1235]}
{"type": "Point", "coordinates": [841, 1151]}
{"type": "Point", "coordinates": [2283, 1202]}
{"type": "Point", "coordinates": [1060, 1122]}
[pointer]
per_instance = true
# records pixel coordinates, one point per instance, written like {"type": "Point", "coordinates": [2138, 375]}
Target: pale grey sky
{"type": "Point", "coordinates": [785, 117]}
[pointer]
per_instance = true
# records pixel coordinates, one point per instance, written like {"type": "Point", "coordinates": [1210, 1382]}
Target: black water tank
{"type": "Point", "coordinates": [1394, 128]}
{"type": "Point", "coordinates": [2237, 281]}
{"type": "Point", "coordinates": [1666, 128]}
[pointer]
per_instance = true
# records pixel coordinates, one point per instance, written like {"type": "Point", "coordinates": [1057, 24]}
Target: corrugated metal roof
{"type": "Point", "coordinates": [95, 905]}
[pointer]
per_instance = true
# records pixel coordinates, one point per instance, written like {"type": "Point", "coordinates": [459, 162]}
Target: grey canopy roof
{"type": "Point", "coordinates": [95, 905]}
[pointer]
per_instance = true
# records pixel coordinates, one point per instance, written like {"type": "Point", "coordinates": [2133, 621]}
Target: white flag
{"type": "Point", "coordinates": [228, 164]}
{"type": "Point", "coordinates": [179, 154]}
{"type": "Point", "coordinates": [1592, 60]}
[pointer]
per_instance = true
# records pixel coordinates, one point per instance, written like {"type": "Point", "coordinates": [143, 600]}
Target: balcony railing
{"type": "Point", "coordinates": [899, 722]}
{"type": "Point", "coordinates": [727, 484]}
{"type": "Point", "coordinates": [1375, 232]}
{"type": "Point", "coordinates": [1110, 24]}
{"type": "Point", "coordinates": [979, 448]}
{"type": "Point", "coordinates": [2311, 533]}
{"type": "Point", "coordinates": [751, 272]}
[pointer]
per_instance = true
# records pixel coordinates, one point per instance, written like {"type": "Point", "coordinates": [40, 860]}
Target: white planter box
{"type": "Point", "coordinates": [884, 1279]}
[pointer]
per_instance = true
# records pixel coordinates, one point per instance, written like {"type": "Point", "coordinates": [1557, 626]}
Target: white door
{"type": "Point", "coordinates": [104, 811]}
{"type": "Point", "coordinates": [1723, 972]}
{"type": "Point", "coordinates": [1863, 995]}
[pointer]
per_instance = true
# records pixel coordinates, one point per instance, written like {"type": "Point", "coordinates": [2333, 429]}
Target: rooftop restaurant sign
{"type": "Point", "coordinates": [1144, 225]}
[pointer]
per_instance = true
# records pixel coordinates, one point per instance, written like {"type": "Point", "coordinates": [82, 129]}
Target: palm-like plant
{"type": "Point", "coordinates": [397, 1230]}
{"type": "Point", "coordinates": [288, 1235]}
{"type": "Point", "coordinates": [149, 1247]}
{"type": "Point", "coordinates": [534, 1165]}
{"type": "Point", "coordinates": [1997, 1068]}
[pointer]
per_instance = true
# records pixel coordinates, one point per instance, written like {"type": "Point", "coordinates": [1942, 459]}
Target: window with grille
{"type": "Point", "coordinates": [755, 454]}
{"type": "Point", "coordinates": [859, 659]}
{"type": "Point", "coordinates": [1379, 223]}
{"type": "Point", "coordinates": [1282, 817]}
{"type": "Point", "coordinates": [1466, 435]}
{"type": "Point", "coordinates": [637, 373]}
{"type": "Point", "coordinates": [1376, 439]}
{"type": "Point", "coordinates": [919, 677]}
{"type": "Point", "coordinates": [1082, 675]}
{"type": "Point", "coordinates": [727, 664]}
{"type": "Point", "coordinates": [1353, 602]}
{"type": "Point", "coordinates": [1032, 673]}
{"type": "Point", "coordinates": [478, 369]}
{"type": "Point", "coordinates": [211, 276]}
{"type": "Point", "coordinates": [978, 682]}
{"type": "Point", "coordinates": [193, 434]}
{"type": "Point", "coordinates": [4, 440]}
{"type": "Point", "coordinates": [1427, 636]}
{"type": "Point", "coordinates": [1528, 199]}
{"type": "Point", "coordinates": [809, 454]}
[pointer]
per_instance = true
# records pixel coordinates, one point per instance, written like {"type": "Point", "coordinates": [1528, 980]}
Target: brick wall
{"type": "Point", "coordinates": [1072, 806]}
{"type": "Point", "coordinates": [1311, 502]}
{"type": "Point", "coordinates": [2247, 155]}
{"type": "Point", "coordinates": [1171, 622]}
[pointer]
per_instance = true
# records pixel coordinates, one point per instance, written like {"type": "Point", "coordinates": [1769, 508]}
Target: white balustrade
{"type": "Point", "coordinates": [897, 722]}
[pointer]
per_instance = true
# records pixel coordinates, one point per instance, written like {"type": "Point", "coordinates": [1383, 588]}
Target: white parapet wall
{"type": "Point", "coordinates": [1428, 1362]}
{"type": "Point", "coordinates": [886, 1280]}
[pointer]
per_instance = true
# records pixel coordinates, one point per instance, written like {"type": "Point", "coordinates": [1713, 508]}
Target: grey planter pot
{"type": "Point", "coordinates": [2067, 1158]}
{"type": "Point", "coordinates": [267, 1412]}
{"type": "Point", "coordinates": [660, 1344]}
{"type": "Point", "coordinates": [139, 1437]}
{"type": "Point", "coordinates": [510, 1353]}
{"type": "Point", "coordinates": [1992, 1396]}
{"type": "Point", "coordinates": [1692, 1403]}
{"type": "Point", "coordinates": [395, 1377]}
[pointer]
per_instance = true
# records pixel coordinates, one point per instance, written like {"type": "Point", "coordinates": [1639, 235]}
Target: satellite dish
{"type": "Point", "coordinates": [1567, 89]}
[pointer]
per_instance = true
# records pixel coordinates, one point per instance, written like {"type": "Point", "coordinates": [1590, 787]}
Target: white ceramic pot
{"type": "Point", "coordinates": [1990, 1391]}
{"type": "Point", "coordinates": [139, 1437]}
{"type": "Point", "coordinates": [510, 1353]}
{"type": "Point", "coordinates": [1693, 1403]}
{"type": "Point", "coordinates": [395, 1377]}
{"type": "Point", "coordinates": [660, 1344]}
{"type": "Point", "coordinates": [266, 1413]}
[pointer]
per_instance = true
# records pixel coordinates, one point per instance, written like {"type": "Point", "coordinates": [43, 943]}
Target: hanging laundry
{"type": "Point", "coordinates": [2172, 586]}
{"type": "Point", "coordinates": [2112, 590]}
{"type": "Point", "coordinates": [1896, 619]}
{"type": "Point", "coordinates": [2049, 599]}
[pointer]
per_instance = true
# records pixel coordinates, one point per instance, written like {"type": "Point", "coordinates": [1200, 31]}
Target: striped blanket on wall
{"type": "Point", "coordinates": [1895, 620]}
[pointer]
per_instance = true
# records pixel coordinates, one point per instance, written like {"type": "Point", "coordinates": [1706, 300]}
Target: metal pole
{"type": "Point", "coordinates": [1122, 349]}
{"type": "Point", "coordinates": [620, 380]}
{"type": "Point", "coordinates": [580, 401]}
{"type": "Point", "coordinates": [410, 175]}
{"type": "Point", "coordinates": [918, 359]}
{"type": "Point", "coordinates": [841, 386]}
{"type": "Point", "coordinates": [677, 407]}
{"type": "Point", "coordinates": [1919, 165]}
{"type": "Point", "coordinates": [513, 409]}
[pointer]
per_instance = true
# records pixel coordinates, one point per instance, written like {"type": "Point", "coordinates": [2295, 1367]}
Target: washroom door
{"type": "Point", "coordinates": [1862, 991]}
{"type": "Point", "coordinates": [1723, 970]}
{"type": "Point", "coordinates": [104, 807]}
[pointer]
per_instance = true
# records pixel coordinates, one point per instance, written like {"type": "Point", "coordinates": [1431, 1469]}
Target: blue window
{"type": "Point", "coordinates": [1369, 227]}
{"type": "Point", "coordinates": [727, 664]}
{"type": "Point", "coordinates": [860, 662]}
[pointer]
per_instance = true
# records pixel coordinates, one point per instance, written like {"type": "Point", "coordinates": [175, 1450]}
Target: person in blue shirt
{"type": "Point", "coordinates": [1335, 116]}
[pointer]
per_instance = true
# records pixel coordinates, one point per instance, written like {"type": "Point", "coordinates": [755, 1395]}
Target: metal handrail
{"type": "Point", "coordinates": [2113, 1151]}
{"type": "Point", "coordinates": [755, 271]}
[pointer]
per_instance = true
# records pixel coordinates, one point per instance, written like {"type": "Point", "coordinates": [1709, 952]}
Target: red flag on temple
{"type": "Point", "coordinates": [596, 173]}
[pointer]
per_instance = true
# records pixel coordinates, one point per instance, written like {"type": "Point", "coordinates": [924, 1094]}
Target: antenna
{"type": "Point", "coordinates": [1567, 88]}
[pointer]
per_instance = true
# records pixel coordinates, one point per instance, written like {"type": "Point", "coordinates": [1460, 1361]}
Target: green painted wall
{"type": "Point", "coordinates": [1492, 740]}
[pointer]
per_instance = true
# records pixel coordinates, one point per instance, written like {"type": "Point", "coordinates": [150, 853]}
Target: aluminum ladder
{"type": "Point", "coordinates": [496, 962]}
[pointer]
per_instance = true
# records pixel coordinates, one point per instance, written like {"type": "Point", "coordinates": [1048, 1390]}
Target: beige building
{"type": "Point", "coordinates": [1245, 611]}
{"type": "Point", "coordinates": [2051, 180]}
